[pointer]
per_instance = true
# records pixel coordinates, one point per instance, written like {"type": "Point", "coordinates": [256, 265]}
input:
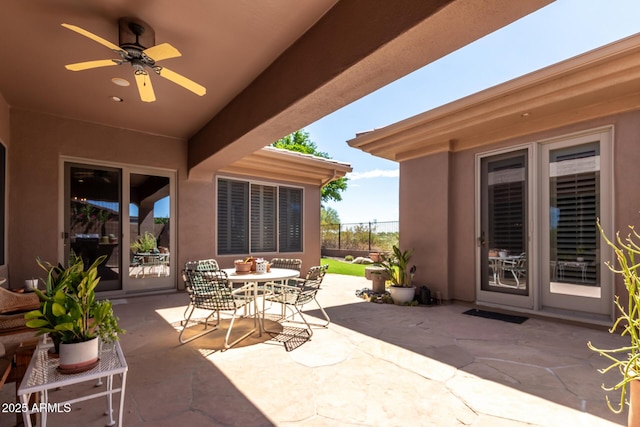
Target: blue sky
{"type": "Point", "coordinates": [563, 29]}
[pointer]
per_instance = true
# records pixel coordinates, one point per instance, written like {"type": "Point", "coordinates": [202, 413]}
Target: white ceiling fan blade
{"type": "Point", "coordinates": [90, 64]}
{"type": "Point", "coordinates": [92, 37]}
{"type": "Point", "coordinates": [182, 81]}
{"type": "Point", "coordinates": [144, 87]}
{"type": "Point", "coordinates": [162, 51]}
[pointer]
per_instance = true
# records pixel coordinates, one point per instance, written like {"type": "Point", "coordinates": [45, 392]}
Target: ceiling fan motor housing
{"type": "Point", "coordinates": [135, 34]}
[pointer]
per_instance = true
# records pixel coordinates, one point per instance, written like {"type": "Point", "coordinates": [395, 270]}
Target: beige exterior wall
{"type": "Point", "coordinates": [441, 226]}
{"type": "Point", "coordinates": [34, 199]}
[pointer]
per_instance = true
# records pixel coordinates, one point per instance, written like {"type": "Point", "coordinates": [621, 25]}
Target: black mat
{"type": "Point", "coordinates": [498, 316]}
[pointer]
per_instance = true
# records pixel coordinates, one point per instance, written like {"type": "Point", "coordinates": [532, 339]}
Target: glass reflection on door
{"type": "Point", "coordinates": [574, 207]}
{"type": "Point", "coordinates": [93, 225]}
{"type": "Point", "coordinates": [503, 239]}
{"type": "Point", "coordinates": [149, 222]}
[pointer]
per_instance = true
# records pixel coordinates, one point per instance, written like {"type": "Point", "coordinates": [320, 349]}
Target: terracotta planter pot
{"type": "Point", "coordinates": [243, 267]}
{"type": "Point", "coordinates": [634, 404]}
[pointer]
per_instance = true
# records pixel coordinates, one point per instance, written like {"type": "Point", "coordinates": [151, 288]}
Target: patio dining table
{"type": "Point", "coordinates": [274, 275]}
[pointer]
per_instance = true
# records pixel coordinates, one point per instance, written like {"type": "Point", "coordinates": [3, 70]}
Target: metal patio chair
{"type": "Point", "coordinates": [288, 263]}
{"type": "Point", "coordinates": [199, 265]}
{"type": "Point", "coordinates": [298, 292]}
{"type": "Point", "coordinates": [210, 290]}
{"type": "Point", "coordinates": [202, 265]}
{"type": "Point", "coordinates": [517, 267]}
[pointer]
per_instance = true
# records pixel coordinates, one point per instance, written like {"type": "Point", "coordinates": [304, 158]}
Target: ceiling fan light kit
{"type": "Point", "coordinates": [134, 37]}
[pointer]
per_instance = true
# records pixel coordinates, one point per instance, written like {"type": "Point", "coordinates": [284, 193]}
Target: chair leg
{"type": "Point", "coordinates": [294, 309]}
{"type": "Point", "coordinates": [204, 332]}
{"type": "Point", "coordinates": [324, 313]}
{"type": "Point", "coordinates": [226, 339]}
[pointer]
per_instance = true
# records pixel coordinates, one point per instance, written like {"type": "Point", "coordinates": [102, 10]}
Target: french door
{"type": "Point", "coordinates": [539, 247]}
{"type": "Point", "coordinates": [504, 243]}
{"type": "Point", "coordinates": [106, 209]}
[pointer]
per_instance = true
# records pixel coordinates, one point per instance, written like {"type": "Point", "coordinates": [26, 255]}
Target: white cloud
{"type": "Point", "coordinates": [375, 173]}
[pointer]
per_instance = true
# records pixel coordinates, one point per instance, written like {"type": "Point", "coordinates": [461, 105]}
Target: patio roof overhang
{"type": "Point", "coordinates": [270, 68]}
{"type": "Point", "coordinates": [601, 82]}
{"type": "Point", "coordinates": [284, 165]}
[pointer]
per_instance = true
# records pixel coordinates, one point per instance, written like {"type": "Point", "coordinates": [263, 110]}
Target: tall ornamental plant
{"type": "Point", "coordinates": [626, 359]}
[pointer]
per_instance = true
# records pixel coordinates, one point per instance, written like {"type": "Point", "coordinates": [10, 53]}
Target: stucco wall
{"type": "Point", "coordinates": [39, 141]}
{"type": "Point", "coordinates": [424, 219]}
{"type": "Point", "coordinates": [437, 204]}
{"type": "Point", "coordinates": [34, 201]}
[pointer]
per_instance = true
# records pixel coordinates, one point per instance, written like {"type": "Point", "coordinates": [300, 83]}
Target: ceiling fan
{"type": "Point", "coordinates": [133, 33]}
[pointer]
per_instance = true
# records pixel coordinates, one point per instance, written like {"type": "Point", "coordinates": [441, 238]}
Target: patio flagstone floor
{"type": "Point", "coordinates": [375, 365]}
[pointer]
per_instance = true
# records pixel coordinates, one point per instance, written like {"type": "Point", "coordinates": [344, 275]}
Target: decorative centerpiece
{"type": "Point", "coordinates": [71, 316]}
{"type": "Point", "coordinates": [243, 266]}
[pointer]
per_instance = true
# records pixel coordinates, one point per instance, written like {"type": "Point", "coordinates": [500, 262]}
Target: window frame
{"type": "Point", "coordinates": [249, 238]}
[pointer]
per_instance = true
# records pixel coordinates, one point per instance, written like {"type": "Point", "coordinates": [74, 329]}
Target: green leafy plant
{"type": "Point", "coordinates": [69, 311]}
{"type": "Point", "coordinates": [625, 359]}
{"type": "Point", "coordinates": [396, 266]}
{"type": "Point", "coordinates": [145, 243]}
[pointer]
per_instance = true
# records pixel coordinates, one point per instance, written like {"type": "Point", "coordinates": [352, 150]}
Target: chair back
{"type": "Point", "coordinates": [317, 272]}
{"type": "Point", "coordinates": [311, 283]}
{"type": "Point", "coordinates": [288, 263]}
{"type": "Point", "coordinates": [202, 265]}
{"type": "Point", "coordinates": [209, 290]}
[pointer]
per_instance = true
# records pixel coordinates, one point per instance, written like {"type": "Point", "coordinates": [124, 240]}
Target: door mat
{"type": "Point", "coordinates": [498, 316]}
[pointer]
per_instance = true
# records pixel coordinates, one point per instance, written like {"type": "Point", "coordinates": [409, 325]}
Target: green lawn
{"type": "Point", "coordinates": [341, 267]}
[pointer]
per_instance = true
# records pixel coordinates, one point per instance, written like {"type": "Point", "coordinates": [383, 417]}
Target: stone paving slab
{"type": "Point", "coordinates": [375, 365]}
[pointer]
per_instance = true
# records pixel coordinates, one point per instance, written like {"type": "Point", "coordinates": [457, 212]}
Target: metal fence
{"type": "Point", "coordinates": [370, 236]}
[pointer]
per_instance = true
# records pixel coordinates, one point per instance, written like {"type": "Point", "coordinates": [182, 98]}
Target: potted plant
{"type": "Point", "coordinates": [396, 267]}
{"type": "Point", "coordinates": [145, 244]}
{"type": "Point", "coordinates": [72, 316]}
{"type": "Point", "coordinates": [625, 360]}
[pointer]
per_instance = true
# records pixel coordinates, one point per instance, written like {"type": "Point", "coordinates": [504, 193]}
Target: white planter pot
{"type": "Point", "coordinates": [78, 356]}
{"type": "Point", "coordinates": [402, 295]}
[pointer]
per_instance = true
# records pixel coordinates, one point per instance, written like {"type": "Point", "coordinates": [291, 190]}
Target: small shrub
{"type": "Point", "coordinates": [348, 258]}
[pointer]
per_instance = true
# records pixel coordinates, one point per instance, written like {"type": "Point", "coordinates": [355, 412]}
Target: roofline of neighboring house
{"type": "Point", "coordinates": [601, 82]}
{"type": "Point", "coordinates": [284, 165]}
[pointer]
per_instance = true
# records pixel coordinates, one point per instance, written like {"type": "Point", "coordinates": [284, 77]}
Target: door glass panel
{"type": "Point", "coordinates": [149, 220]}
{"type": "Point", "coordinates": [504, 265]}
{"type": "Point", "coordinates": [574, 243]}
{"type": "Point", "coordinates": [93, 225]}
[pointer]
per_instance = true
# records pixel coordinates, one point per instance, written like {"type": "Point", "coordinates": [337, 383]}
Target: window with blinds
{"type": "Point", "coordinates": [574, 209]}
{"type": "Point", "coordinates": [263, 218]}
{"type": "Point", "coordinates": [255, 218]}
{"type": "Point", "coordinates": [233, 218]}
{"type": "Point", "coordinates": [290, 219]}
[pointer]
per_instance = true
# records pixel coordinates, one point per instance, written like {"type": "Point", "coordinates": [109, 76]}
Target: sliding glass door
{"type": "Point", "coordinates": [93, 226]}
{"type": "Point", "coordinates": [108, 208]}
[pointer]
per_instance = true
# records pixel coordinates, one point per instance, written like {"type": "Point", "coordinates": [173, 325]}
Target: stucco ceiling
{"type": "Point", "coordinates": [270, 67]}
{"type": "Point", "coordinates": [224, 46]}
